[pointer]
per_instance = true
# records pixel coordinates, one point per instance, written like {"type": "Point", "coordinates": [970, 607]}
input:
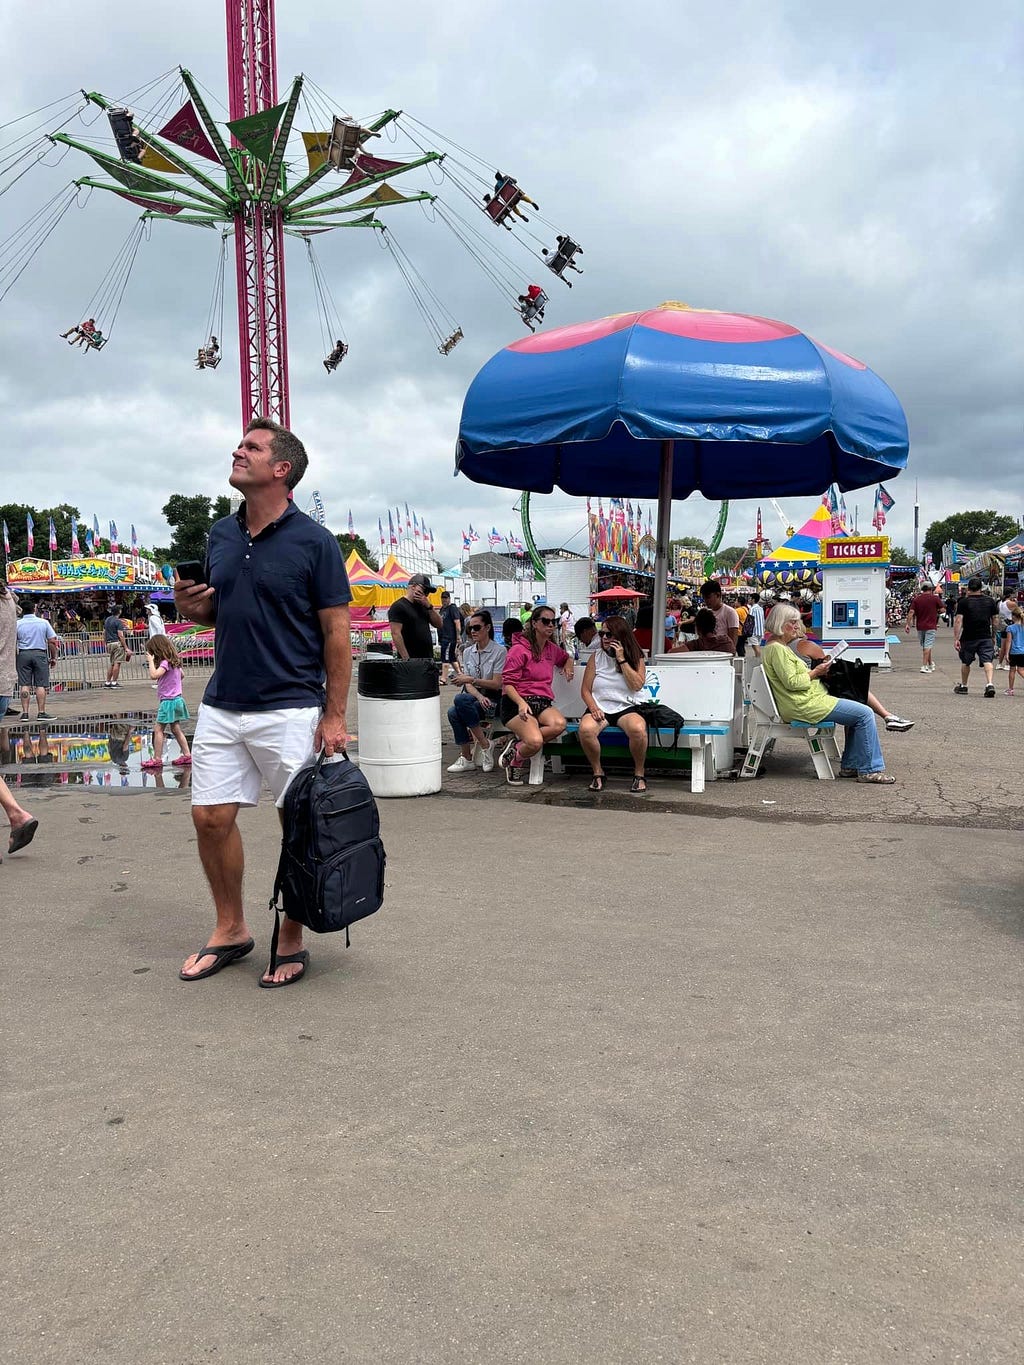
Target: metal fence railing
{"type": "Point", "coordinates": [82, 659]}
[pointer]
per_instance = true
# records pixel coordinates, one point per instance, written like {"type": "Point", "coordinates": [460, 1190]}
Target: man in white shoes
{"type": "Point", "coordinates": [480, 678]}
{"type": "Point", "coordinates": [924, 612]}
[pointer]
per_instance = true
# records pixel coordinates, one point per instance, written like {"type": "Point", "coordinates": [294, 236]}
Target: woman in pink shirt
{"type": "Point", "coordinates": [527, 699]}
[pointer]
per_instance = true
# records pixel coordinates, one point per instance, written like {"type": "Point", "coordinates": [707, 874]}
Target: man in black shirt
{"type": "Point", "coordinates": [411, 618]}
{"type": "Point", "coordinates": [451, 633]}
{"type": "Point", "coordinates": [972, 635]}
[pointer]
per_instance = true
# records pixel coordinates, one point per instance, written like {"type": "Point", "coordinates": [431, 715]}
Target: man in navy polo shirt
{"type": "Point", "coordinates": [277, 591]}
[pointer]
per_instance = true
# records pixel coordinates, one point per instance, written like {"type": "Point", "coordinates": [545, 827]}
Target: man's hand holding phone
{"type": "Point", "coordinates": [193, 599]}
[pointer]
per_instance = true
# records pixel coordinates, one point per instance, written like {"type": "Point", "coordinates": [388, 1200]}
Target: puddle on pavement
{"type": "Point", "coordinates": [105, 752]}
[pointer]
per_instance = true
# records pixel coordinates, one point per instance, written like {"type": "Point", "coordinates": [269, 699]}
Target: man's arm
{"type": "Point", "coordinates": [434, 617]}
{"type": "Point", "coordinates": [331, 734]}
{"type": "Point", "coordinates": [52, 645]}
{"type": "Point", "coordinates": [398, 641]}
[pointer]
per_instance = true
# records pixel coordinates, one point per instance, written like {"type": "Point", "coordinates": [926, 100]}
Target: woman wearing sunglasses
{"type": "Point", "coordinates": [527, 703]}
{"type": "Point", "coordinates": [480, 676]}
{"type": "Point", "coordinates": [615, 673]}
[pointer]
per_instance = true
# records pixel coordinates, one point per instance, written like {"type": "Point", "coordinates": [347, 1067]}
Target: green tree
{"type": "Point", "coordinates": [688, 543]}
{"type": "Point", "coordinates": [898, 554]}
{"type": "Point", "coordinates": [190, 519]}
{"type": "Point", "coordinates": [976, 530]}
{"type": "Point", "coordinates": [349, 543]}
{"type": "Point", "coordinates": [14, 513]}
{"type": "Point", "coordinates": [730, 555]}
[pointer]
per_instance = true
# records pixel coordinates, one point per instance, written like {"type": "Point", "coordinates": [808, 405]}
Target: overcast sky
{"type": "Point", "coordinates": [853, 170]}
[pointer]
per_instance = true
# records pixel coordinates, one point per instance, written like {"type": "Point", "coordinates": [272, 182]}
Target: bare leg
{"type": "Point", "coordinates": [589, 731]}
{"type": "Point", "coordinates": [41, 699]}
{"type": "Point", "coordinates": [159, 736]}
{"type": "Point", "coordinates": [528, 733]}
{"type": "Point", "coordinates": [220, 851]}
{"type": "Point", "coordinates": [179, 735]}
{"type": "Point", "coordinates": [636, 732]}
{"type": "Point", "coordinates": [16, 814]}
{"type": "Point", "coordinates": [289, 942]}
{"type": "Point", "coordinates": [988, 674]}
{"type": "Point", "coordinates": [877, 707]}
{"type": "Point", "coordinates": [26, 692]}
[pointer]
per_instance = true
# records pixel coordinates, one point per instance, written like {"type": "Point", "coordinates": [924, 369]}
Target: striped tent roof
{"type": "Point", "coordinates": [806, 543]}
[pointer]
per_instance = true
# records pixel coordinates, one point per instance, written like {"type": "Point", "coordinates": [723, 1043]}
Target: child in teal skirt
{"type": "Point", "coordinates": [165, 671]}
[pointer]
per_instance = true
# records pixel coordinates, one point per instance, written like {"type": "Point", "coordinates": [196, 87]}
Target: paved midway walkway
{"type": "Point", "coordinates": [629, 1082]}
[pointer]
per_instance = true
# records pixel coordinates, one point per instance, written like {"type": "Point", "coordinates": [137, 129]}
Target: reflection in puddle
{"type": "Point", "coordinates": [95, 751]}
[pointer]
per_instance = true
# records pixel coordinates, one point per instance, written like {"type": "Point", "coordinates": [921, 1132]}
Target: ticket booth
{"type": "Point", "coordinates": [853, 571]}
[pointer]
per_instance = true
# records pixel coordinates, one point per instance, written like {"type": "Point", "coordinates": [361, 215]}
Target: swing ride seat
{"type": "Point", "coordinates": [346, 140]}
{"type": "Point", "coordinates": [96, 343]}
{"type": "Point", "coordinates": [448, 345]}
{"type": "Point", "coordinates": [561, 259]}
{"type": "Point", "coordinates": [534, 310]}
{"type": "Point", "coordinates": [503, 201]}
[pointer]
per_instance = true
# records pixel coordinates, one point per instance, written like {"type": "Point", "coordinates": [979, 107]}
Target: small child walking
{"type": "Point", "coordinates": [165, 670]}
{"type": "Point", "coordinates": [1015, 630]}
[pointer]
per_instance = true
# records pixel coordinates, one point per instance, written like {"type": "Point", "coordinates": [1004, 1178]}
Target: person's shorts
{"type": "Point", "coordinates": [926, 638]}
{"type": "Point", "coordinates": [33, 668]}
{"type": "Point", "coordinates": [117, 652]}
{"type": "Point", "coordinates": [537, 705]}
{"type": "Point", "coordinates": [235, 752]}
{"type": "Point", "coordinates": [1017, 660]}
{"type": "Point", "coordinates": [982, 650]}
{"type": "Point", "coordinates": [613, 717]}
{"type": "Point", "coordinates": [448, 651]}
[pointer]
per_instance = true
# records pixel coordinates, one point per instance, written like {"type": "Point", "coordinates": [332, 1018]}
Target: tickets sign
{"type": "Point", "coordinates": [855, 550]}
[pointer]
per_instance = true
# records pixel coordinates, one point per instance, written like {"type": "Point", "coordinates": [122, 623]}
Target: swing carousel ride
{"type": "Point", "coordinates": [298, 167]}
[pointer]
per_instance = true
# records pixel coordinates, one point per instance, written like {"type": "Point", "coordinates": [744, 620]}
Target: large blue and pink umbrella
{"type": "Point", "coordinates": [677, 400]}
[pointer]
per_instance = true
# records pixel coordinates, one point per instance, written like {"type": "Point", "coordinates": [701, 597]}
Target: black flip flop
{"type": "Point", "coordinates": [597, 783]}
{"type": "Point", "coordinates": [302, 957]}
{"type": "Point", "coordinates": [22, 837]}
{"type": "Point", "coordinates": [230, 952]}
{"type": "Point", "coordinates": [636, 788]}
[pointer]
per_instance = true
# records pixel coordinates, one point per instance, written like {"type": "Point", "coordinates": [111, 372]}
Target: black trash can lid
{"type": "Point", "coordinates": [398, 679]}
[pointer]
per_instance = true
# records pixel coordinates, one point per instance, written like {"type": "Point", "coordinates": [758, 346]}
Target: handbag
{"type": "Point", "coordinates": [658, 717]}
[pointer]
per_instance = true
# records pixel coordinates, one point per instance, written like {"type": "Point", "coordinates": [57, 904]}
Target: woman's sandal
{"type": "Point", "coordinates": [881, 779]}
{"type": "Point", "coordinates": [597, 784]}
{"type": "Point", "coordinates": [639, 786]}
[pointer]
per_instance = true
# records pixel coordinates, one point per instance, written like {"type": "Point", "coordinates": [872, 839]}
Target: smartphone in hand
{"type": "Point", "coordinates": [191, 569]}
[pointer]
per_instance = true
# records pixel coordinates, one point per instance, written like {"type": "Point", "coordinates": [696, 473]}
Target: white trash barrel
{"type": "Point", "coordinates": [399, 726]}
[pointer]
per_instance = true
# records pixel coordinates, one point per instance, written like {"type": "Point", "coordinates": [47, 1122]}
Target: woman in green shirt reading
{"type": "Point", "coordinates": [800, 695]}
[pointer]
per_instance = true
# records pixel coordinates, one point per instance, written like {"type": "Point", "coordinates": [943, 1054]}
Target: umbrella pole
{"type": "Point", "coordinates": [661, 553]}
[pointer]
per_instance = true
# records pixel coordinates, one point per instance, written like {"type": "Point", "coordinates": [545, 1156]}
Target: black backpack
{"type": "Point", "coordinates": [331, 870]}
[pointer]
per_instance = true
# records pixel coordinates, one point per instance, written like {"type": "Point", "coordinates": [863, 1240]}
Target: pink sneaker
{"type": "Point", "coordinates": [1008, 692]}
{"type": "Point", "coordinates": [184, 761]}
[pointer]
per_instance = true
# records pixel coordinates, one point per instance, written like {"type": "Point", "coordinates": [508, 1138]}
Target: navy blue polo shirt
{"type": "Point", "coordinates": [269, 588]}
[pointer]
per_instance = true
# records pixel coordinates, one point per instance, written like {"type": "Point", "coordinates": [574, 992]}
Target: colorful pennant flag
{"type": "Point", "coordinates": [472, 534]}
{"type": "Point", "coordinates": [113, 539]}
{"type": "Point", "coordinates": [351, 526]}
{"type": "Point", "coordinates": [185, 130]}
{"type": "Point", "coordinates": [29, 527]}
{"type": "Point", "coordinates": [316, 145]}
{"type": "Point", "coordinates": [7, 542]}
{"type": "Point", "coordinates": [415, 526]}
{"type": "Point", "coordinates": [465, 541]}
{"type": "Point", "coordinates": [135, 540]}
{"type": "Point", "coordinates": [95, 528]}
{"type": "Point", "coordinates": [90, 541]}
{"type": "Point", "coordinates": [431, 541]}
{"type": "Point", "coordinates": [408, 519]}
{"type": "Point", "coordinates": [887, 500]}
{"type": "Point", "coordinates": [258, 132]}
{"type": "Point", "coordinates": [391, 530]}
{"type": "Point", "coordinates": [493, 538]}
{"type": "Point", "coordinates": [53, 537]}
{"type": "Point", "coordinates": [76, 547]}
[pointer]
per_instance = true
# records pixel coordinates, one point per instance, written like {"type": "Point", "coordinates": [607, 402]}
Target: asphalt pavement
{"type": "Point", "coordinates": [608, 1080]}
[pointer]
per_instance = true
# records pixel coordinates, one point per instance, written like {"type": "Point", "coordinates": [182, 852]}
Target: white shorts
{"type": "Point", "coordinates": [235, 752]}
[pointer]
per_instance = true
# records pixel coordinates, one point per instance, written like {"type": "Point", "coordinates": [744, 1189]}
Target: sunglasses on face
{"type": "Point", "coordinates": [545, 620]}
{"type": "Point", "coordinates": [473, 629]}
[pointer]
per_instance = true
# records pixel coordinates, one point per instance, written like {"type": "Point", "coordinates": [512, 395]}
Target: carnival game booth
{"type": "Point", "coordinates": [1003, 564]}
